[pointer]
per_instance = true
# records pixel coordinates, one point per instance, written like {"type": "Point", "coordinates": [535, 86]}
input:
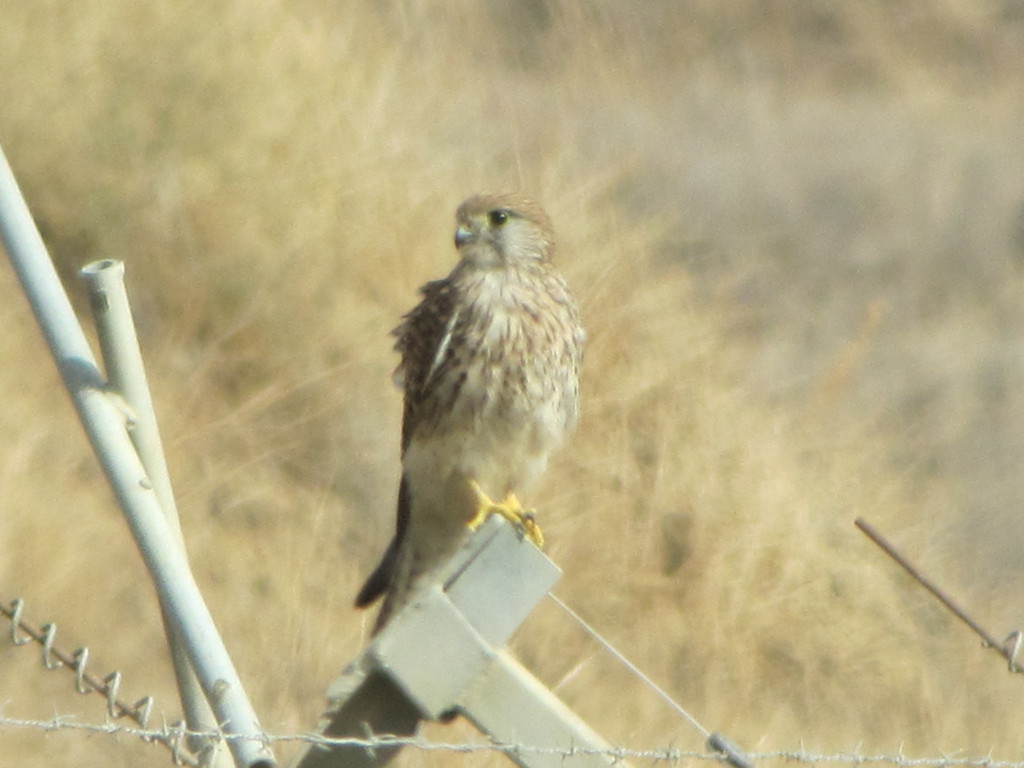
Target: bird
{"type": "Point", "coordinates": [490, 371]}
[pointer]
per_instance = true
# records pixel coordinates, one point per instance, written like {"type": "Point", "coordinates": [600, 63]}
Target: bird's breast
{"type": "Point", "coordinates": [506, 393]}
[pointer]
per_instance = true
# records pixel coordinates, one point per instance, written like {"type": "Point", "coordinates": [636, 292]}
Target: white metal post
{"type": "Point", "coordinates": [104, 423]}
{"type": "Point", "coordinates": [126, 375]}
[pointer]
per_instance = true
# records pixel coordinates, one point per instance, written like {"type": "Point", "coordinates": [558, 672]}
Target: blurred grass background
{"type": "Point", "coordinates": [797, 233]}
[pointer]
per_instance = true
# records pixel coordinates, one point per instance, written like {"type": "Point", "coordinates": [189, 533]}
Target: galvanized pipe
{"type": "Point", "coordinates": [126, 375]}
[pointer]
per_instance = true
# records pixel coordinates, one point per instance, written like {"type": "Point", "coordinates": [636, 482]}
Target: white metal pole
{"type": "Point", "coordinates": [104, 423]}
{"type": "Point", "coordinates": [126, 374]}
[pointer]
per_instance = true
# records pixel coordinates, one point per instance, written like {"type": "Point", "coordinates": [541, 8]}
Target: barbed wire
{"type": "Point", "coordinates": [177, 734]}
{"type": "Point", "coordinates": [53, 658]}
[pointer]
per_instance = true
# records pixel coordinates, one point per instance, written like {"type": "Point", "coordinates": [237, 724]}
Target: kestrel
{"type": "Point", "coordinates": [490, 364]}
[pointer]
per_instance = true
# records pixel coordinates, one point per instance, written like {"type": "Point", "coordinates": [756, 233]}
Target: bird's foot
{"type": "Point", "coordinates": [524, 520]}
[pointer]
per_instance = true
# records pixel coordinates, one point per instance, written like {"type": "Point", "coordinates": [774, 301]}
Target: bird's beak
{"type": "Point", "coordinates": [462, 236]}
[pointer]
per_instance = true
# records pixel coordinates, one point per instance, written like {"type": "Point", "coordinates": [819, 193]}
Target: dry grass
{"type": "Point", "coordinates": [795, 230]}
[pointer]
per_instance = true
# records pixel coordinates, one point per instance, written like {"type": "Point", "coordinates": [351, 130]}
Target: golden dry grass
{"type": "Point", "coordinates": [792, 229]}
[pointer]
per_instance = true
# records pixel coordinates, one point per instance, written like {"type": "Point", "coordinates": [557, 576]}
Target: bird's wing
{"type": "Point", "coordinates": [424, 339]}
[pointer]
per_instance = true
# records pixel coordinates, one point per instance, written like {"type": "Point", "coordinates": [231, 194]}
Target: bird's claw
{"type": "Point", "coordinates": [524, 520]}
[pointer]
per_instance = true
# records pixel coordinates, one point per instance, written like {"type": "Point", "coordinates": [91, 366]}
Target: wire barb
{"type": "Point", "coordinates": [49, 635]}
{"type": "Point", "coordinates": [81, 657]}
{"type": "Point", "coordinates": [1011, 649]}
{"type": "Point", "coordinates": [16, 610]}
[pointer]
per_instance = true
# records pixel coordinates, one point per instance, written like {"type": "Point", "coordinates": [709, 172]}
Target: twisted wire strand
{"type": "Point", "coordinates": [177, 733]}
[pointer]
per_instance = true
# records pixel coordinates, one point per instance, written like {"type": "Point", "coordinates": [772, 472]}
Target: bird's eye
{"type": "Point", "coordinates": [498, 217]}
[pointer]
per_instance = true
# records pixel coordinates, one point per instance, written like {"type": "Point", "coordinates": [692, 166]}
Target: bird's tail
{"type": "Point", "coordinates": [381, 580]}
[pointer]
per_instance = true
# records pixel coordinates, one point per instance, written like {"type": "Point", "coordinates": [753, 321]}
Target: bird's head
{"type": "Point", "coordinates": [495, 231]}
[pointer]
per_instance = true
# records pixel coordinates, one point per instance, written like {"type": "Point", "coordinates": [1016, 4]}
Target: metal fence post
{"type": "Point", "coordinates": [442, 655]}
{"type": "Point", "coordinates": [126, 374]}
{"type": "Point", "coordinates": [105, 424]}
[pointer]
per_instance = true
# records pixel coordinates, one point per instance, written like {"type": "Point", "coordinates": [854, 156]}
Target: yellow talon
{"type": "Point", "coordinates": [523, 519]}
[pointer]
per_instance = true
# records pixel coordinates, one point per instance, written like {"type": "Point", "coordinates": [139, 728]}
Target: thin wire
{"type": "Point", "coordinates": [1008, 649]}
{"type": "Point", "coordinates": [178, 732]}
{"type": "Point", "coordinates": [662, 693]}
